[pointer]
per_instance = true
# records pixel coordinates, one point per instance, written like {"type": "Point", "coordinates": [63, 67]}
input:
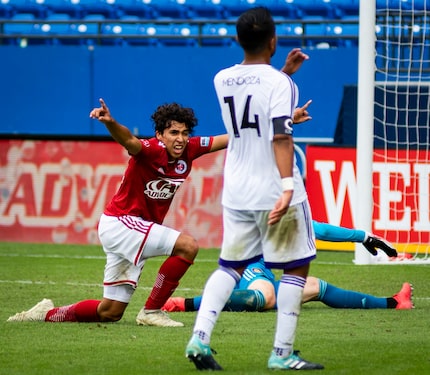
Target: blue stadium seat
{"type": "Point", "coordinates": [308, 8]}
{"type": "Point", "coordinates": [143, 34]}
{"type": "Point", "coordinates": [316, 33]}
{"type": "Point", "coordinates": [89, 27]}
{"type": "Point", "coordinates": [39, 10]}
{"type": "Point", "coordinates": [289, 34]}
{"type": "Point", "coordinates": [176, 34]}
{"type": "Point", "coordinates": [204, 8]}
{"type": "Point", "coordinates": [421, 5]}
{"type": "Point", "coordinates": [189, 34]}
{"type": "Point", "coordinates": [6, 10]}
{"type": "Point", "coordinates": [17, 33]}
{"type": "Point", "coordinates": [347, 33]}
{"type": "Point", "coordinates": [218, 34]}
{"type": "Point", "coordinates": [58, 30]}
{"type": "Point", "coordinates": [20, 28]}
{"type": "Point", "coordinates": [168, 9]}
{"type": "Point", "coordinates": [70, 7]}
{"type": "Point", "coordinates": [344, 8]}
{"type": "Point", "coordinates": [134, 8]}
{"type": "Point", "coordinates": [282, 8]}
{"type": "Point", "coordinates": [401, 4]}
{"type": "Point", "coordinates": [91, 24]}
{"type": "Point", "coordinates": [105, 7]}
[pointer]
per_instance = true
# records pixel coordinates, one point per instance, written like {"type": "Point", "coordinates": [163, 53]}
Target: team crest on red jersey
{"type": "Point", "coordinates": [181, 167]}
{"type": "Point", "coordinates": [164, 188]}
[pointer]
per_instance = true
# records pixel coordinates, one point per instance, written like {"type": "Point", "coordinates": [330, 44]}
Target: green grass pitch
{"type": "Point", "coordinates": [345, 341]}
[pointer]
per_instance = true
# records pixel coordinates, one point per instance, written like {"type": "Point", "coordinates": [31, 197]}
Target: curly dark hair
{"type": "Point", "coordinates": [167, 113]}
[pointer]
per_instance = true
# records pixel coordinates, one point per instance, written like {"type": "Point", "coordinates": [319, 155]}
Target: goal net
{"type": "Point", "coordinates": [401, 154]}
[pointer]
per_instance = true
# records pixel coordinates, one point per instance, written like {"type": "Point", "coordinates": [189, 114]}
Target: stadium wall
{"type": "Point", "coordinates": [49, 90]}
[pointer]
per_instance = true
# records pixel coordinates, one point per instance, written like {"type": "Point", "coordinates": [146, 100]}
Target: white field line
{"type": "Point", "coordinates": [159, 259]}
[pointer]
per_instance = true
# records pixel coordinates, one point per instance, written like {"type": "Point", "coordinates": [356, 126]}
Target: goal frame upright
{"type": "Point", "coordinates": [365, 118]}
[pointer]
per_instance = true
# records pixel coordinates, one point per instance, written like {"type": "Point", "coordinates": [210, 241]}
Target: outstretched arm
{"type": "Point", "coordinates": [119, 132]}
{"type": "Point", "coordinates": [333, 233]}
{"type": "Point", "coordinates": [219, 142]}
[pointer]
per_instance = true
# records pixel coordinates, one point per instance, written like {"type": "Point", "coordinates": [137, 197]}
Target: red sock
{"type": "Point", "coordinates": [84, 311]}
{"type": "Point", "coordinates": [168, 277]}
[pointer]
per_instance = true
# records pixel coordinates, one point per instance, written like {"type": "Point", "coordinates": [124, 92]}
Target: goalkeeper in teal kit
{"type": "Point", "coordinates": [257, 288]}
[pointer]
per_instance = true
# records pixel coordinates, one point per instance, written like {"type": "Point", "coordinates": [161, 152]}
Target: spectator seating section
{"type": "Point", "coordinates": [330, 22]}
{"type": "Point", "coordinates": [215, 9]}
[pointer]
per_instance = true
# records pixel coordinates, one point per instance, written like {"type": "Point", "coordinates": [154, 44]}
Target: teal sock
{"type": "Point", "coordinates": [240, 300]}
{"type": "Point", "coordinates": [347, 299]}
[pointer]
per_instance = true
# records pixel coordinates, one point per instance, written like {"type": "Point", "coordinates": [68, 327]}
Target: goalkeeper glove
{"type": "Point", "coordinates": [373, 243]}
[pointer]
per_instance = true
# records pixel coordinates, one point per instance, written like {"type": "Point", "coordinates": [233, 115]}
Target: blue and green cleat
{"type": "Point", "coordinates": [292, 362]}
{"type": "Point", "coordinates": [201, 355]}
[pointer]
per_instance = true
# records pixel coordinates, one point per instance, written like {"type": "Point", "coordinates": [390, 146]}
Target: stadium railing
{"type": "Point", "coordinates": [27, 29]}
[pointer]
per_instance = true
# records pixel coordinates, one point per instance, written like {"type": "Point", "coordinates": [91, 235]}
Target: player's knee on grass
{"type": "Point", "coordinates": [186, 247]}
{"type": "Point", "coordinates": [111, 311]}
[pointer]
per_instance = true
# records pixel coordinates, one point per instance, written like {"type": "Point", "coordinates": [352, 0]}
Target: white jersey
{"type": "Point", "coordinates": [250, 97]}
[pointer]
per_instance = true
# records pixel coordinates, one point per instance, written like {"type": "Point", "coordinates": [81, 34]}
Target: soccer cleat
{"type": "Point", "coordinates": [292, 362]}
{"type": "Point", "coordinates": [156, 318]}
{"type": "Point", "coordinates": [404, 297]}
{"type": "Point", "coordinates": [36, 314]}
{"type": "Point", "coordinates": [174, 304]}
{"type": "Point", "coordinates": [201, 355]}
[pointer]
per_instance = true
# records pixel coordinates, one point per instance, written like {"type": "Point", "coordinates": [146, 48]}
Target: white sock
{"type": "Point", "coordinates": [289, 302]}
{"type": "Point", "coordinates": [217, 291]}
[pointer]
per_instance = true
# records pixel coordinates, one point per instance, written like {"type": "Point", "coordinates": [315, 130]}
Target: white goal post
{"type": "Point", "coordinates": [393, 127]}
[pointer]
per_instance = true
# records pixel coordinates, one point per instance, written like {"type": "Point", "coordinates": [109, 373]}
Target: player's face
{"type": "Point", "coordinates": [175, 138]}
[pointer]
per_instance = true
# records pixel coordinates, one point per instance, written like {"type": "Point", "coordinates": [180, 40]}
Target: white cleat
{"type": "Point", "coordinates": [36, 314]}
{"type": "Point", "coordinates": [156, 318]}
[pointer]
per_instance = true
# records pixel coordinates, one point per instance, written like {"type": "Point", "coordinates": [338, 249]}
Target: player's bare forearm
{"type": "Point", "coordinates": [283, 147]}
{"type": "Point", "coordinates": [220, 142]}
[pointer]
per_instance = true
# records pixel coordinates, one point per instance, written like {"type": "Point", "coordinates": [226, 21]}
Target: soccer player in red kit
{"type": "Point", "coordinates": [131, 230]}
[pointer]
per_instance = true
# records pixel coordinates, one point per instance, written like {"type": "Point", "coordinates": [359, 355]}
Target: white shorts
{"type": "Point", "coordinates": [128, 241]}
{"type": "Point", "coordinates": [285, 245]}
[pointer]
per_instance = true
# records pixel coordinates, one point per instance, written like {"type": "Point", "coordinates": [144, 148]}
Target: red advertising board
{"type": "Point", "coordinates": [400, 191]}
{"type": "Point", "coordinates": [54, 191]}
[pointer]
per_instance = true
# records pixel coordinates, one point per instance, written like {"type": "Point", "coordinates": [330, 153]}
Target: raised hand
{"type": "Point", "coordinates": [301, 114]}
{"type": "Point", "coordinates": [102, 113]}
{"type": "Point", "coordinates": [294, 61]}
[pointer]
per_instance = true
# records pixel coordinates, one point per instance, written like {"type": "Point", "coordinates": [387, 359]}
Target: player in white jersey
{"type": "Point", "coordinates": [265, 206]}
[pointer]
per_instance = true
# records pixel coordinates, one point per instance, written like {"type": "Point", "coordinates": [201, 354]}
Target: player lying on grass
{"type": "Point", "coordinates": [257, 288]}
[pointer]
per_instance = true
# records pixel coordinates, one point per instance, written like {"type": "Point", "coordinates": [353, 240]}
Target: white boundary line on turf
{"type": "Point", "coordinates": [160, 259]}
{"type": "Point", "coordinates": [31, 282]}
{"type": "Point", "coordinates": [198, 290]}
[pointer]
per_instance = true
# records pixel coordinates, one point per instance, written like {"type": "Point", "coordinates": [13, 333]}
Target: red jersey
{"type": "Point", "coordinates": [151, 181]}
